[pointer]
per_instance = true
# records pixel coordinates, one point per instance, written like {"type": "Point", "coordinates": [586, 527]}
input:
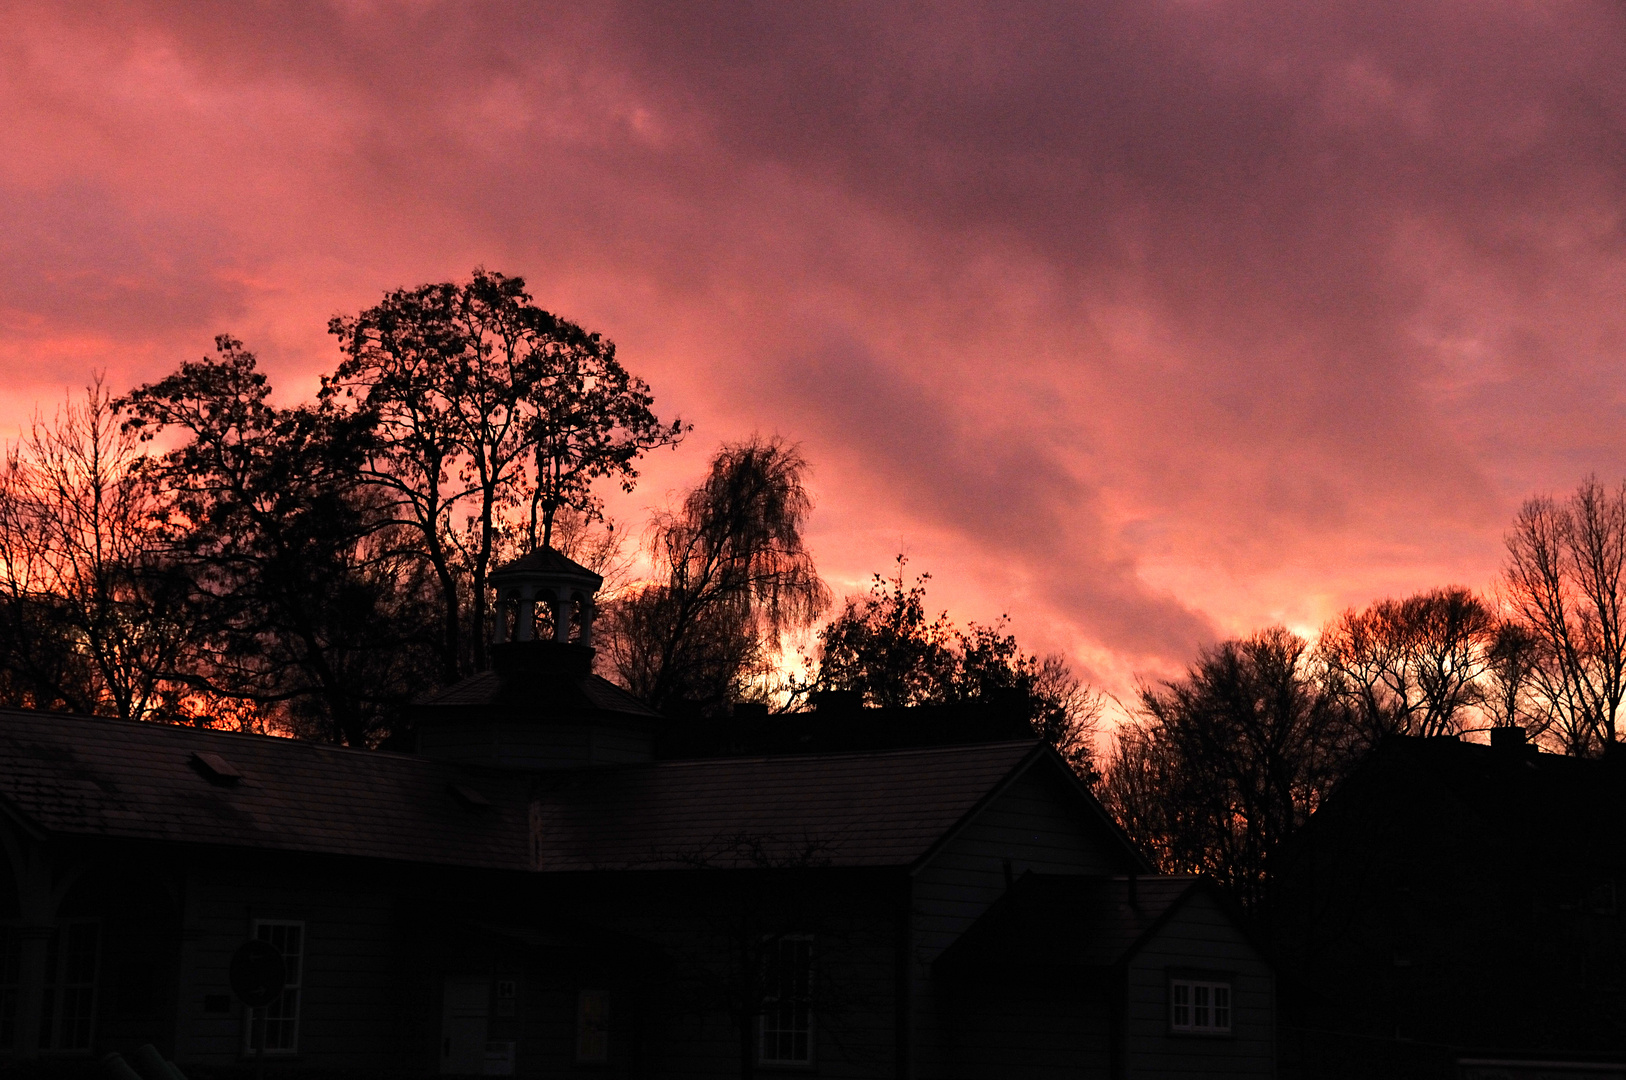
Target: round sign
{"type": "Point", "coordinates": [257, 973]}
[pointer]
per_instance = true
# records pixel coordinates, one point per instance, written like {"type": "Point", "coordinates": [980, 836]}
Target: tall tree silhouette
{"type": "Point", "coordinates": [469, 387]}
{"type": "Point", "coordinates": [1221, 766]}
{"type": "Point", "coordinates": [1415, 666]}
{"type": "Point", "coordinates": [299, 601]}
{"type": "Point", "coordinates": [1565, 583]}
{"type": "Point", "coordinates": [733, 576]}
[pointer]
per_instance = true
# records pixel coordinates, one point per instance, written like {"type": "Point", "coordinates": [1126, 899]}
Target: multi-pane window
{"type": "Point", "coordinates": [68, 996]}
{"type": "Point", "coordinates": [592, 1026]}
{"type": "Point", "coordinates": [787, 1008]}
{"type": "Point", "coordinates": [281, 1017]}
{"type": "Point", "coordinates": [68, 1007]}
{"type": "Point", "coordinates": [1200, 1007]}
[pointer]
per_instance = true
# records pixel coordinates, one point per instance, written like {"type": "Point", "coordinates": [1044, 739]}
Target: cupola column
{"type": "Point", "coordinates": [561, 615]}
{"type": "Point", "coordinates": [527, 613]}
{"type": "Point", "coordinates": [589, 609]}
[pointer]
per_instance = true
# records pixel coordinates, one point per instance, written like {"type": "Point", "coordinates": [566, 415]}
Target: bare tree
{"type": "Point", "coordinates": [1565, 584]}
{"type": "Point", "coordinates": [733, 577]}
{"type": "Point", "coordinates": [1412, 666]}
{"type": "Point", "coordinates": [86, 604]}
{"type": "Point", "coordinates": [1512, 696]}
{"type": "Point", "coordinates": [1223, 765]}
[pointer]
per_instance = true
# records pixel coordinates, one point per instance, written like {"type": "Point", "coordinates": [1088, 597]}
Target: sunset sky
{"type": "Point", "coordinates": [1146, 323]}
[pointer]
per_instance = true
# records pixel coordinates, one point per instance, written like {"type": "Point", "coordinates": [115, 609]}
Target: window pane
{"type": "Point", "coordinates": [280, 1020]}
{"type": "Point", "coordinates": [1222, 1007]}
{"type": "Point", "coordinates": [787, 1015]}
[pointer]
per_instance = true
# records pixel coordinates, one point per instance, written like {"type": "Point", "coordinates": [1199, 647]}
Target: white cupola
{"type": "Point", "coordinates": [545, 596]}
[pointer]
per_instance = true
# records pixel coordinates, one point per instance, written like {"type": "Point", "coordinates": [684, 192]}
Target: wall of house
{"type": "Point", "coordinates": [358, 1001]}
{"type": "Point", "coordinates": [1199, 936]}
{"type": "Point", "coordinates": [1037, 823]}
{"type": "Point", "coordinates": [668, 1021]}
{"type": "Point", "coordinates": [1032, 1028]}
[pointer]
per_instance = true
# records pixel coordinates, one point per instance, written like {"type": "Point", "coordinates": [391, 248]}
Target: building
{"type": "Point", "coordinates": [538, 891]}
{"type": "Point", "coordinates": [1452, 911]}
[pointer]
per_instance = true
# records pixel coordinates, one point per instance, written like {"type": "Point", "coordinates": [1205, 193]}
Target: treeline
{"type": "Point", "coordinates": [193, 552]}
{"type": "Point", "coordinates": [1212, 772]}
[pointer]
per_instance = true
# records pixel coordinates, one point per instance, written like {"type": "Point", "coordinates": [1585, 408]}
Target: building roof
{"type": "Point", "coordinates": [540, 693]}
{"type": "Point", "coordinates": [96, 777]}
{"type": "Point", "coordinates": [878, 808]}
{"type": "Point", "coordinates": [1556, 808]}
{"type": "Point", "coordinates": [1066, 921]}
{"type": "Point", "coordinates": [545, 560]}
{"type": "Point", "coordinates": [92, 776]}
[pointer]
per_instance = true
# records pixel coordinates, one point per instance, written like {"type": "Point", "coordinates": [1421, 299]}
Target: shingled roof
{"type": "Point", "coordinates": [91, 776]}
{"type": "Point", "coordinates": [87, 776]}
{"type": "Point", "coordinates": [1061, 921]}
{"type": "Point", "coordinates": [883, 808]}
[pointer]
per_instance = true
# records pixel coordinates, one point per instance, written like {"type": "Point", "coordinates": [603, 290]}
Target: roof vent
{"type": "Point", "coordinates": [469, 797]}
{"type": "Point", "coordinates": [215, 767]}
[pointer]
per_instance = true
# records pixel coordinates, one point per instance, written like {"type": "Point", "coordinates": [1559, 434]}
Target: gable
{"type": "Point", "coordinates": [1040, 820]}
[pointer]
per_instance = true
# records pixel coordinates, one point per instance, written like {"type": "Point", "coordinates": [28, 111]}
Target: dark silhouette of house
{"type": "Point", "coordinates": [539, 892]}
{"type": "Point", "coordinates": [1452, 911]}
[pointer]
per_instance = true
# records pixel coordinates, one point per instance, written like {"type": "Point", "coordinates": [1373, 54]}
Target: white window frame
{"type": "Point", "coordinates": [293, 994]}
{"type": "Point", "coordinates": [1201, 1006]}
{"type": "Point", "coordinates": [59, 989]}
{"type": "Point", "coordinates": [771, 1032]}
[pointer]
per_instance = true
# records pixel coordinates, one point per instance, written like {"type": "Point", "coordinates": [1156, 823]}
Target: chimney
{"type": "Point", "coordinates": [1510, 739]}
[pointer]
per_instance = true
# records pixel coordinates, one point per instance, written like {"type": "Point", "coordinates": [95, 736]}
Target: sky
{"type": "Point", "coordinates": [1146, 324]}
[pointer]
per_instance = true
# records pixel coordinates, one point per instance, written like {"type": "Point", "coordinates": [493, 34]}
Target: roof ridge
{"type": "Point", "coordinates": [161, 725]}
{"type": "Point", "coordinates": [826, 755]}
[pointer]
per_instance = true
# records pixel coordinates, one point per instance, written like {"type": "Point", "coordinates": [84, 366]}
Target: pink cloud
{"type": "Point", "coordinates": [1144, 323]}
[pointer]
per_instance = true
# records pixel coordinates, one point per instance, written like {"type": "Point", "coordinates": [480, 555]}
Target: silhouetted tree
{"type": "Point", "coordinates": [1565, 584]}
{"type": "Point", "coordinates": [1221, 766]}
{"type": "Point", "coordinates": [467, 387]}
{"type": "Point", "coordinates": [298, 600]}
{"type": "Point", "coordinates": [1511, 695]}
{"type": "Point", "coordinates": [885, 647]}
{"type": "Point", "coordinates": [733, 578]}
{"type": "Point", "coordinates": [87, 619]}
{"type": "Point", "coordinates": [1412, 666]}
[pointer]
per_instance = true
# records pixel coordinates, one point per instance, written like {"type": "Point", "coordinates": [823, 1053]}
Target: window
{"type": "Point", "coordinates": [1199, 1007]}
{"type": "Point", "coordinates": [592, 1027]}
{"type": "Point", "coordinates": [281, 1017]}
{"type": "Point", "coordinates": [69, 1004]}
{"type": "Point", "coordinates": [787, 1007]}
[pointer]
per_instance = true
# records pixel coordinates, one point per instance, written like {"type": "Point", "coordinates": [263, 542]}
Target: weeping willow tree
{"type": "Point", "coordinates": [732, 578]}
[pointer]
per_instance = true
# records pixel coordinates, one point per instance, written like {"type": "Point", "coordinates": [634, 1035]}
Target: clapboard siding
{"type": "Point", "coordinates": [1199, 935]}
{"type": "Point", "coordinates": [350, 1007]}
{"type": "Point", "coordinates": [1036, 823]}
